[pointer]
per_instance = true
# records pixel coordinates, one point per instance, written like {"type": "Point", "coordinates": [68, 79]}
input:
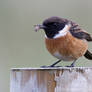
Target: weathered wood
{"type": "Point", "coordinates": [51, 80]}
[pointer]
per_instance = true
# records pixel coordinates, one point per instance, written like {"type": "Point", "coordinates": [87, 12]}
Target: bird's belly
{"type": "Point", "coordinates": [66, 48]}
{"type": "Point", "coordinates": [65, 58]}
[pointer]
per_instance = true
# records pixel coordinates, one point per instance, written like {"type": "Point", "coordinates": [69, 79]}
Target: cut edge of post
{"type": "Point", "coordinates": [48, 68]}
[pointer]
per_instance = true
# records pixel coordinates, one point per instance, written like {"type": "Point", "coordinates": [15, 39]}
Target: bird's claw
{"type": "Point", "coordinates": [50, 66]}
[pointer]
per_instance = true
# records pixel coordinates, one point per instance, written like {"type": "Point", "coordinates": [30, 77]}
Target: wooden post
{"type": "Point", "coordinates": [51, 80]}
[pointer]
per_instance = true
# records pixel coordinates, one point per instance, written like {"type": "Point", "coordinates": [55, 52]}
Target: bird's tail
{"type": "Point", "coordinates": [88, 55]}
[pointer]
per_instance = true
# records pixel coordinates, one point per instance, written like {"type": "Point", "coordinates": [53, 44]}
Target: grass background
{"type": "Point", "coordinates": [20, 46]}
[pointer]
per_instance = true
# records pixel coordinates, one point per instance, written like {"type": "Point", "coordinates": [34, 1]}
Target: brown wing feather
{"type": "Point", "coordinates": [79, 33]}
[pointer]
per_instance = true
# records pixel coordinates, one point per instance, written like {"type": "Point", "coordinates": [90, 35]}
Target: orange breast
{"type": "Point", "coordinates": [67, 46]}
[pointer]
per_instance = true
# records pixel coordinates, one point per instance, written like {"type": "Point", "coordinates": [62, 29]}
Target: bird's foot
{"type": "Point", "coordinates": [50, 66]}
{"type": "Point", "coordinates": [45, 66]}
{"type": "Point", "coordinates": [72, 65]}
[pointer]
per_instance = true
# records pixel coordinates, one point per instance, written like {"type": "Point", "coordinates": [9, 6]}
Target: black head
{"type": "Point", "coordinates": [53, 25]}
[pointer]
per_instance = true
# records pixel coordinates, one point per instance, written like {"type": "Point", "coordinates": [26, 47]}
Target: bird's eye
{"type": "Point", "coordinates": [55, 24]}
{"type": "Point", "coordinates": [51, 24]}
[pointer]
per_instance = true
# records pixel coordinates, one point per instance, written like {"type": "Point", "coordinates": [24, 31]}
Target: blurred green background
{"type": "Point", "coordinates": [20, 46]}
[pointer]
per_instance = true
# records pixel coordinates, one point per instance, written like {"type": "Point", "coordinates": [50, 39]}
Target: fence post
{"type": "Point", "coordinates": [51, 79]}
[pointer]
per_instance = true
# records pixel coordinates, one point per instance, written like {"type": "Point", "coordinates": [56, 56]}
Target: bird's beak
{"type": "Point", "coordinates": [38, 27]}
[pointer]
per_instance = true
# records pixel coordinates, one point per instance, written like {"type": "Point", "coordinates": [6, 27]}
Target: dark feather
{"type": "Point", "coordinates": [88, 55]}
{"type": "Point", "coordinates": [77, 32]}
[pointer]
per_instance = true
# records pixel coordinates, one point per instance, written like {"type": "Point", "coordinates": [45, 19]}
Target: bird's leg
{"type": "Point", "coordinates": [52, 65]}
{"type": "Point", "coordinates": [72, 65]}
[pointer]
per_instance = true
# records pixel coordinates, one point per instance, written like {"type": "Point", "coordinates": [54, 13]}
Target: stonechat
{"type": "Point", "coordinates": [65, 40]}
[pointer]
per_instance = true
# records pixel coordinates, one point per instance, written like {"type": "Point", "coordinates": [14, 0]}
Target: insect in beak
{"type": "Point", "coordinates": [38, 27]}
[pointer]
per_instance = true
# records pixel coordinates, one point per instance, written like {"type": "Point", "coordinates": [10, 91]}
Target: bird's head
{"type": "Point", "coordinates": [52, 26]}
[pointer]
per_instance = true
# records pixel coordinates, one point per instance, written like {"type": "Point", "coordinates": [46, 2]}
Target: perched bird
{"type": "Point", "coordinates": [65, 40]}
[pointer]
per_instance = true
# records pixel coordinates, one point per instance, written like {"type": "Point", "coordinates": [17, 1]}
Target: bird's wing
{"type": "Point", "coordinates": [79, 33]}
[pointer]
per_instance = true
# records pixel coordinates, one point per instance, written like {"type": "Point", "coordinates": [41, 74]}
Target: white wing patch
{"type": "Point", "coordinates": [62, 32]}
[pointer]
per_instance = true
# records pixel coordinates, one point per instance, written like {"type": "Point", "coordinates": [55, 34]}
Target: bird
{"type": "Point", "coordinates": [65, 40]}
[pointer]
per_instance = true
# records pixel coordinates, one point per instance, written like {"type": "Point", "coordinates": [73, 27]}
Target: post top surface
{"type": "Point", "coordinates": [49, 68]}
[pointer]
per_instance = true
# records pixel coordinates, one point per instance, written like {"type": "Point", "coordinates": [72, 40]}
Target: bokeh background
{"type": "Point", "coordinates": [20, 46]}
